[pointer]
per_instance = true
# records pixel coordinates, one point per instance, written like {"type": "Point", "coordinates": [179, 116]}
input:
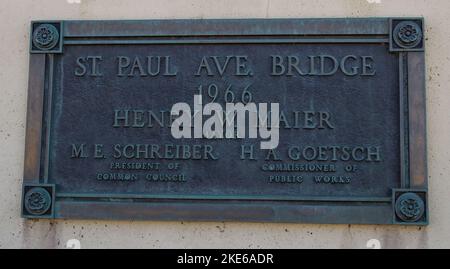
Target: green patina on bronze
{"type": "Point", "coordinates": [352, 123]}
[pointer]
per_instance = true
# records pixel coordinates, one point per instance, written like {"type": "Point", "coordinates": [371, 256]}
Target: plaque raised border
{"type": "Point", "coordinates": [408, 204]}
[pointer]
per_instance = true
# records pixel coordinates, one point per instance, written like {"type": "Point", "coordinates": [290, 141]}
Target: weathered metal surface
{"type": "Point", "coordinates": [34, 117]}
{"type": "Point", "coordinates": [352, 124]}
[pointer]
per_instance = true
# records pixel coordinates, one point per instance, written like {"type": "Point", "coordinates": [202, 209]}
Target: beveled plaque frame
{"type": "Point", "coordinates": [42, 200]}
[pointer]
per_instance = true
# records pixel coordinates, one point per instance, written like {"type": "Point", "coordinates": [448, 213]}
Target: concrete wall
{"type": "Point", "coordinates": [15, 232]}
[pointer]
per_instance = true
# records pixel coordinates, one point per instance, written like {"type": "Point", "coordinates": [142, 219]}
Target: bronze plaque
{"type": "Point", "coordinates": [286, 120]}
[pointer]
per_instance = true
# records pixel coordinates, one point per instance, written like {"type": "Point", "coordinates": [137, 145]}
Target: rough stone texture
{"type": "Point", "coordinates": [15, 232]}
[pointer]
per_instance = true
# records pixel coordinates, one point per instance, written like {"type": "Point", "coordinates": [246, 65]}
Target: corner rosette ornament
{"type": "Point", "coordinates": [407, 34]}
{"type": "Point", "coordinates": [37, 201]}
{"type": "Point", "coordinates": [45, 37]}
{"type": "Point", "coordinates": [409, 207]}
